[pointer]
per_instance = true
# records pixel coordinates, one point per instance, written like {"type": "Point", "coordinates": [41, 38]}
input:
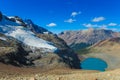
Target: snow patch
{"type": "Point", "coordinates": [46, 32]}
{"type": "Point", "coordinates": [30, 39]}
{"type": "Point", "coordinates": [11, 16]}
{"type": "Point", "coordinates": [18, 22]}
{"type": "Point", "coordinates": [2, 38]}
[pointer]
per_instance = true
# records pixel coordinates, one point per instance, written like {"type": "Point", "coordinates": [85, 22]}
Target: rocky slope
{"type": "Point", "coordinates": [107, 50]}
{"type": "Point", "coordinates": [84, 38]}
{"type": "Point", "coordinates": [23, 43]}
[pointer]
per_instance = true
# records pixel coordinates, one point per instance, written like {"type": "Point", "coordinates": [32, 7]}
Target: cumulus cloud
{"type": "Point", "coordinates": [73, 14]}
{"type": "Point", "coordinates": [112, 24]}
{"type": "Point", "coordinates": [98, 19]}
{"type": "Point", "coordinates": [51, 25]}
{"type": "Point", "coordinates": [70, 20]}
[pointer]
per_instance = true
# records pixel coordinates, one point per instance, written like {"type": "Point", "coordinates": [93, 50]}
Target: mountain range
{"type": "Point", "coordinates": [84, 38]}
{"type": "Point", "coordinates": [25, 44]}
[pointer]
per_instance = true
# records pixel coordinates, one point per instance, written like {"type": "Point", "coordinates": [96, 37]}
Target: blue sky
{"type": "Point", "coordinates": [60, 15]}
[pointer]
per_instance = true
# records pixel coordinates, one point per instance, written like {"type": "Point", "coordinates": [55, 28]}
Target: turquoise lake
{"type": "Point", "coordinates": [93, 64]}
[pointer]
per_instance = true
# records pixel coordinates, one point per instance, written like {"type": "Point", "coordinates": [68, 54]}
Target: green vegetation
{"type": "Point", "coordinates": [79, 46]}
{"type": "Point", "coordinates": [83, 51]}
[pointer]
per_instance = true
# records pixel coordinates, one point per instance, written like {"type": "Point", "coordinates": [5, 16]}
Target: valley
{"type": "Point", "coordinates": [104, 44]}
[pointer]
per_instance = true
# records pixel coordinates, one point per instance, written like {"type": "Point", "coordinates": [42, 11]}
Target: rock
{"type": "Point", "coordinates": [18, 20]}
{"type": "Point", "coordinates": [16, 53]}
{"type": "Point", "coordinates": [65, 52]}
{"type": "Point", "coordinates": [11, 51]}
{"type": "Point", "coordinates": [50, 61]}
{"type": "Point", "coordinates": [35, 28]}
{"type": "Point", "coordinates": [32, 78]}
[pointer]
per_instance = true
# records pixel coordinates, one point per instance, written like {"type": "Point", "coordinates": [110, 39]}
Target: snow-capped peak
{"type": "Point", "coordinates": [24, 35]}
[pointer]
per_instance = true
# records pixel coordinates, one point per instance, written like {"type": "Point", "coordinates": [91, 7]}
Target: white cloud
{"type": "Point", "coordinates": [112, 24]}
{"type": "Point", "coordinates": [98, 19]}
{"type": "Point", "coordinates": [70, 20]}
{"type": "Point", "coordinates": [89, 25]}
{"type": "Point", "coordinates": [73, 14]}
{"type": "Point", "coordinates": [51, 25]}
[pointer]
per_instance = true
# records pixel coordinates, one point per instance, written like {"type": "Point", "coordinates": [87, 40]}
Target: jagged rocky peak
{"type": "Point", "coordinates": [35, 28]}
{"type": "Point", "coordinates": [87, 35]}
{"type": "Point", "coordinates": [15, 27]}
{"type": "Point", "coordinates": [25, 23]}
{"type": "Point", "coordinates": [76, 39]}
{"type": "Point", "coordinates": [18, 20]}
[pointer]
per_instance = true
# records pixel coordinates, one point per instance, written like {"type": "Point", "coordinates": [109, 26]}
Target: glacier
{"type": "Point", "coordinates": [24, 35]}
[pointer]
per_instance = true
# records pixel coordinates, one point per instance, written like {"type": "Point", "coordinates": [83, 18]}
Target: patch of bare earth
{"type": "Point", "coordinates": [8, 72]}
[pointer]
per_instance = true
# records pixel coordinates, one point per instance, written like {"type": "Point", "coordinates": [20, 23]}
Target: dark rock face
{"type": "Point", "coordinates": [15, 53]}
{"type": "Point", "coordinates": [0, 16]}
{"type": "Point", "coordinates": [35, 28]}
{"type": "Point", "coordinates": [65, 52]}
{"type": "Point", "coordinates": [50, 61]}
{"type": "Point", "coordinates": [11, 51]}
{"type": "Point", "coordinates": [18, 19]}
